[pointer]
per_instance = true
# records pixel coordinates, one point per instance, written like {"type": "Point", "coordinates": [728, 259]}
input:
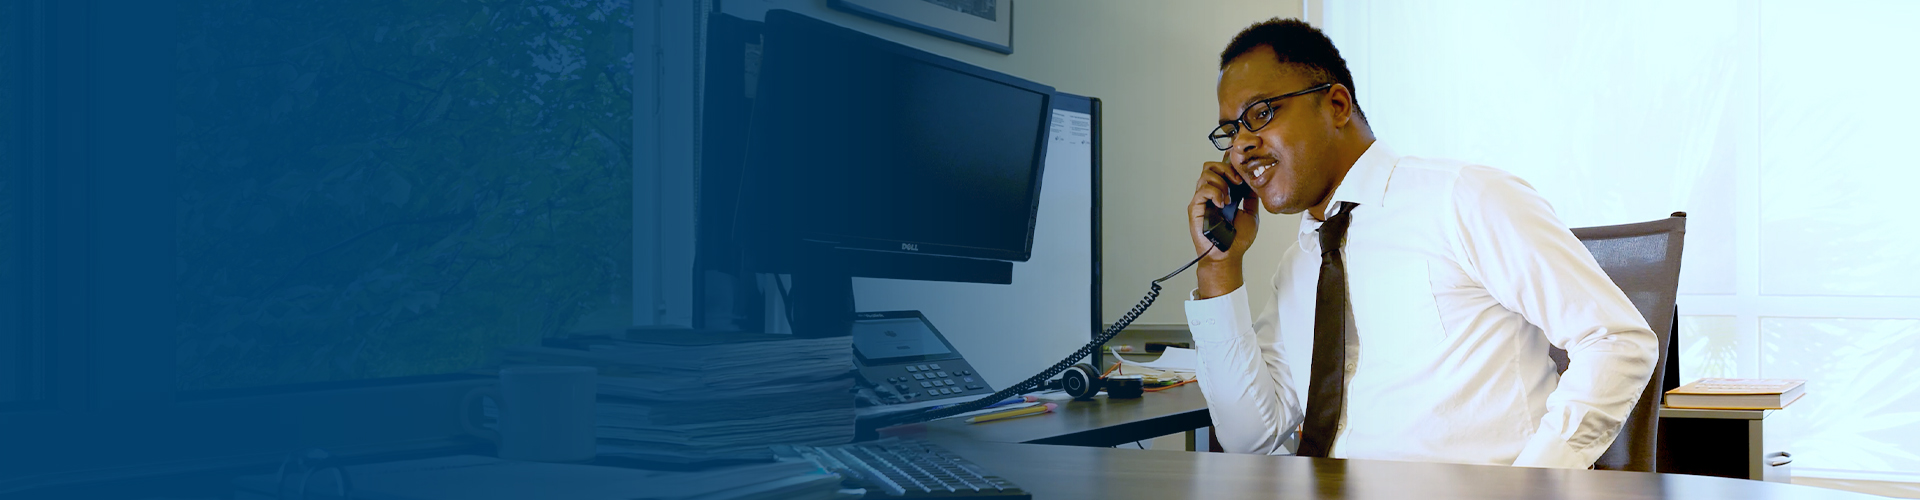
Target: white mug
{"type": "Point", "coordinates": [546, 413]}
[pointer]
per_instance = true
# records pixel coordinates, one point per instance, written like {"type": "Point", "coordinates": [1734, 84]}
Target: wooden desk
{"type": "Point", "coordinates": [1100, 422]}
{"type": "Point", "coordinates": [1120, 474]}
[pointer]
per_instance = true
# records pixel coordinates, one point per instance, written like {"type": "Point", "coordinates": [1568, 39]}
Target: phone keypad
{"type": "Point", "coordinates": [955, 378]}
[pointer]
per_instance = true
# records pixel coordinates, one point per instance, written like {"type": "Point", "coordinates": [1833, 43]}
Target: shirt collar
{"type": "Point", "coordinates": [1365, 185]}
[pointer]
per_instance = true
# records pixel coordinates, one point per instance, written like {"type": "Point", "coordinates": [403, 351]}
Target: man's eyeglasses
{"type": "Point", "coordinates": [1254, 118]}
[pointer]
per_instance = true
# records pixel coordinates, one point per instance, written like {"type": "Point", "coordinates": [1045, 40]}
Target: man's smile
{"type": "Point", "coordinates": [1258, 167]}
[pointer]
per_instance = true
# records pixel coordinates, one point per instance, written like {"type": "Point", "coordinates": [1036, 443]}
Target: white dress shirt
{"type": "Point", "coordinates": [1459, 277]}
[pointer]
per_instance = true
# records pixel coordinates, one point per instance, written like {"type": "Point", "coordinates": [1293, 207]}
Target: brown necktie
{"type": "Point", "coordinates": [1326, 392]}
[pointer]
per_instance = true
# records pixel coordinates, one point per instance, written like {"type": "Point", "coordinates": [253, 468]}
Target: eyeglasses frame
{"type": "Point", "coordinates": [1241, 122]}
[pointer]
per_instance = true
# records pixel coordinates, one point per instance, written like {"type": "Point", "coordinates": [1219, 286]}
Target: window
{"type": "Point", "coordinates": [1800, 255]}
{"type": "Point", "coordinates": [394, 190]}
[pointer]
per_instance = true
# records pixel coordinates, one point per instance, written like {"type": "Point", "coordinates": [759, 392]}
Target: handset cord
{"type": "Point", "coordinates": [1039, 380]}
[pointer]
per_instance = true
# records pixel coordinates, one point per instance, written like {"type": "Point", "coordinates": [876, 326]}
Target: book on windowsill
{"type": "Point", "coordinates": [1737, 394]}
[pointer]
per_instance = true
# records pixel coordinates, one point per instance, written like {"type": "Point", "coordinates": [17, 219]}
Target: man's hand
{"type": "Point", "coordinates": [1220, 271]}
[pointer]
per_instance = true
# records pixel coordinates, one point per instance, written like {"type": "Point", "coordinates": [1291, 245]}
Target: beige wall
{"type": "Point", "coordinates": [1153, 63]}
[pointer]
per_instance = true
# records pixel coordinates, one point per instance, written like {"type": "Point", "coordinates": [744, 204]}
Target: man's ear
{"type": "Point", "coordinates": [1340, 102]}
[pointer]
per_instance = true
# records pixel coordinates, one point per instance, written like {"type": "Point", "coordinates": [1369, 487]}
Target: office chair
{"type": "Point", "coordinates": [1643, 259]}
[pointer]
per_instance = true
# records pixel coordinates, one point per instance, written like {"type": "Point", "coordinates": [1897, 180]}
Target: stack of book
{"type": "Point", "coordinates": [1737, 394]}
{"type": "Point", "coordinates": [699, 397]}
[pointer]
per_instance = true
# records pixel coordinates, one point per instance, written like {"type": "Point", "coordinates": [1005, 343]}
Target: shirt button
{"type": "Point", "coordinates": [1349, 366]}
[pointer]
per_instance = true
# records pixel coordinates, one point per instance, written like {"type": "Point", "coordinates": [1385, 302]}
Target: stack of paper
{"type": "Point", "coordinates": [1174, 359]}
{"type": "Point", "coordinates": [1173, 366]}
{"type": "Point", "coordinates": [468, 477]}
{"type": "Point", "coordinates": [701, 397]}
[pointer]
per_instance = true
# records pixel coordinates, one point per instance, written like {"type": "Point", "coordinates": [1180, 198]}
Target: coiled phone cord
{"type": "Point", "coordinates": [1039, 380]}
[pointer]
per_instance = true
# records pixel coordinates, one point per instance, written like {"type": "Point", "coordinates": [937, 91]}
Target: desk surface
{"type": "Point", "coordinates": [1120, 474]}
{"type": "Point", "coordinates": [1100, 422]}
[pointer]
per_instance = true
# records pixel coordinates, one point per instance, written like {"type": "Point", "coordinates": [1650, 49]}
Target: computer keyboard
{"type": "Point", "coordinates": [901, 468]}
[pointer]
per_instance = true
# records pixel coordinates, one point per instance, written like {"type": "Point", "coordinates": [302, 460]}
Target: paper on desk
{"type": "Point", "coordinates": [1175, 359]}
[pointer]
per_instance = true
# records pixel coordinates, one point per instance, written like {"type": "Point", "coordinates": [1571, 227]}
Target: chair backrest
{"type": "Point", "coordinates": [1643, 259]}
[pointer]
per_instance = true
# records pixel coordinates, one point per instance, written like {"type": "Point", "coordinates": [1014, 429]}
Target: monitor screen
{"type": "Point", "coordinates": [865, 144]}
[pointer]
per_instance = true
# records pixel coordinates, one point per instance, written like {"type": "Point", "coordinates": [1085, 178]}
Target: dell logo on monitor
{"type": "Point", "coordinates": [911, 247]}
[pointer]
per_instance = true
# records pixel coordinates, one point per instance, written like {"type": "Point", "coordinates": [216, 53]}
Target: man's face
{"type": "Point", "coordinates": [1285, 161]}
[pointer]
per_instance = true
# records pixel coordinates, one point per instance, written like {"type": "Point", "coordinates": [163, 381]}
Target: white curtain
{"type": "Point", "coordinates": [1780, 127]}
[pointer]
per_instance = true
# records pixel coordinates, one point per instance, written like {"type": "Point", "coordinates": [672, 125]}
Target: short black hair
{"type": "Point", "coordinates": [1298, 44]}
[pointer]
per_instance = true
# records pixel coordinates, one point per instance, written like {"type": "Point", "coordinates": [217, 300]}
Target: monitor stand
{"type": "Point", "coordinates": [822, 294]}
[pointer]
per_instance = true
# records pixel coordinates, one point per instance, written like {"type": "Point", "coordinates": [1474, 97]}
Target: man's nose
{"type": "Point", "coordinates": [1243, 144]}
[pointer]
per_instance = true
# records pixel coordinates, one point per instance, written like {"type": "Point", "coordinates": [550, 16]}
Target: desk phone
{"type": "Point", "coordinates": [905, 360]}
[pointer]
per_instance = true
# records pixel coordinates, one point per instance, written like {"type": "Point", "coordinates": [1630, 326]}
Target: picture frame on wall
{"type": "Point", "coordinates": [987, 24]}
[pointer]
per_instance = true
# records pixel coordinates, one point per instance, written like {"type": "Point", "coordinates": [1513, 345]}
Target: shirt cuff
{"type": "Point", "coordinates": [1553, 453]}
{"type": "Point", "coordinates": [1219, 319]}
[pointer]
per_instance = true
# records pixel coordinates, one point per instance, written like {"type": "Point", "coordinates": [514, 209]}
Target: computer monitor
{"type": "Point", "coordinates": [868, 158]}
{"type": "Point", "coordinates": [1053, 304]}
{"type": "Point", "coordinates": [885, 155]}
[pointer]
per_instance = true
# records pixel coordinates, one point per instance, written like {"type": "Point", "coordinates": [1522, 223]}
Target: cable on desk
{"type": "Point", "coordinates": [1039, 380]}
{"type": "Point", "coordinates": [1170, 386]}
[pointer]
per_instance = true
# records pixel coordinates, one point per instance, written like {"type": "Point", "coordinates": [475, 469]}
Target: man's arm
{"type": "Point", "coordinates": [1243, 373]}
{"type": "Point", "coordinates": [1532, 264]}
{"type": "Point", "coordinates": [1248, 387]}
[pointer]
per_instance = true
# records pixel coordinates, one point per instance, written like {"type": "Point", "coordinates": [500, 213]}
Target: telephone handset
{"type": "Point", "coordinates": [1219, 227]}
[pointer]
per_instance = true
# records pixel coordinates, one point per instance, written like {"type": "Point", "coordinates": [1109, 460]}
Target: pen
{"type": "Point", "coordinates": [1031, 410]}
{"type": "Point", "coordinates": [1008, 401]}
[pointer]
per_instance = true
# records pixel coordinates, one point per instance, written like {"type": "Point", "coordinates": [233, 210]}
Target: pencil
{"type": "Point", "coordinates": [1031, 410]}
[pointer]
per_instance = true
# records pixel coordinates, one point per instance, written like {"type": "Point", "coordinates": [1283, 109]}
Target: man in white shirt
{"type": "Point", "coordinates": [1455, 279]}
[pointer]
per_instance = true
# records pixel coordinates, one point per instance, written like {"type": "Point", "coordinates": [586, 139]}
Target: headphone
{"type": "Point", "coordinates": [1082, 381]}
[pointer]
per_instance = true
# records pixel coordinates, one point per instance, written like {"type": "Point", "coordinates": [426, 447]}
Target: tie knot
{"type": "Point", "coordinates": [1335, 228]}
